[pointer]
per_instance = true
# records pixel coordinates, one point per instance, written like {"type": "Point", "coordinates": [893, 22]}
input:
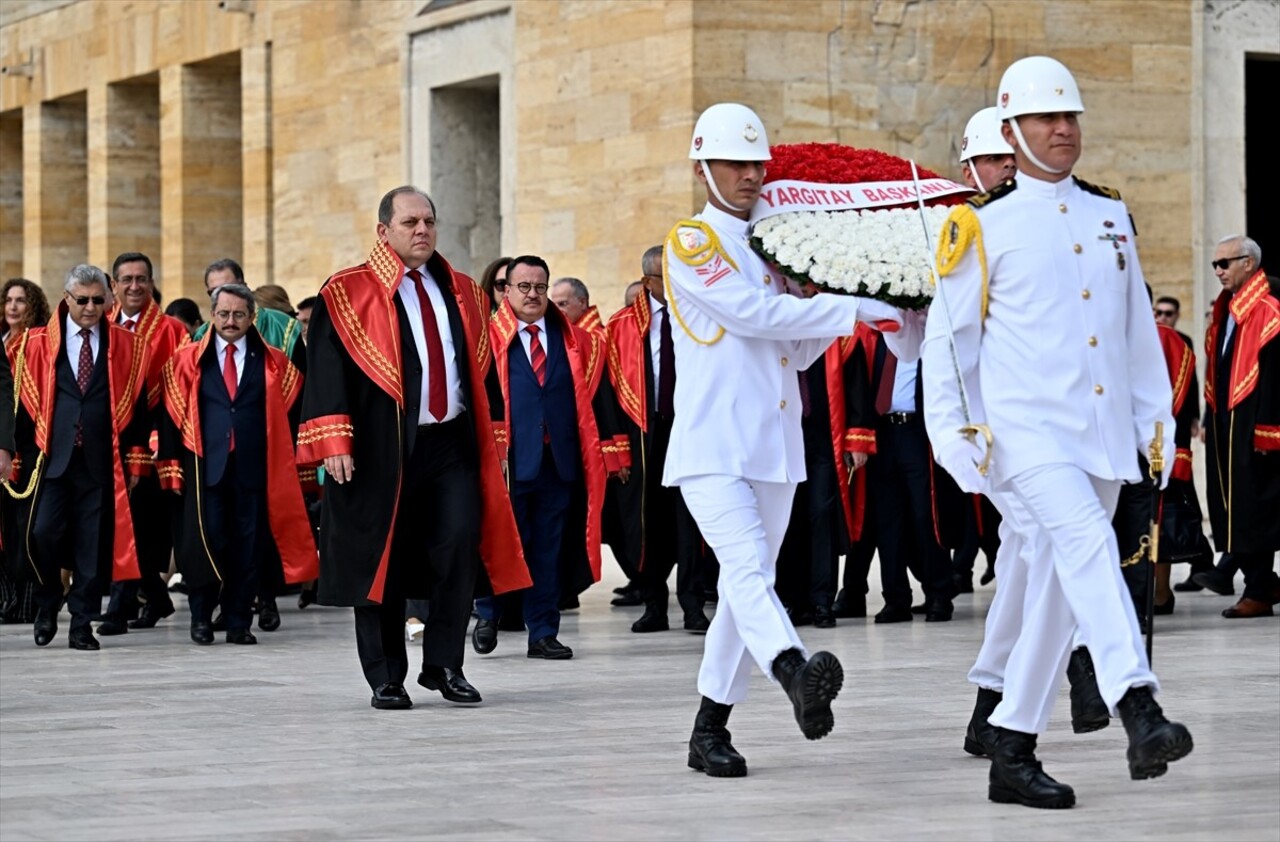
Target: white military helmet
{"type": "Point", "coordinates": [982, 136]}
{"type": "Point", "coordinates": [1037, 85]}
{"type": "Point", "coordinates": [728, 131]}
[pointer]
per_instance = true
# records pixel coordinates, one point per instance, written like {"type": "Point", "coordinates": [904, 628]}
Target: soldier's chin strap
{"type": "Point", "coordinates": [1026, 150]}
{"type": "Point", "coordinates": [715, 190]}
{"type": "Point", "coordinates": [977, 179]}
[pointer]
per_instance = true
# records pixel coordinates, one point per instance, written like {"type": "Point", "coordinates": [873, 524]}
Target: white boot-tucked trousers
{"type": "Point", "coordinates": [1064, 574]}
{"type": "Point", "coordinates": [744, 522]}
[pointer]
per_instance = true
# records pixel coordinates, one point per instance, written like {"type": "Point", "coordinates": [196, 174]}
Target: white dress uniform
{"type": "Point", "coordinates": [1061, 359]}
{"type": "Point", "coordinates": [736, 448]}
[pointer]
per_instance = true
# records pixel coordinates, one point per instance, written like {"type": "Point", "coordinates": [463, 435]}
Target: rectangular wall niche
{"type": "Point", "coordinates": [466, 172]}
{"type": "Point", "coordinates": [10, 195]}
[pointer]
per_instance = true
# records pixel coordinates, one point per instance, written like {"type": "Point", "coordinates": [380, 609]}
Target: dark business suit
{"type": "Point", "coordinates": [435, 548]}
{"type": "Point", "coordinates": [71, 524]}
{"type": "Point", "coordinates": [903, 477]}
{"type": "Point", "coordinates": [234, 483]}
{"type": "Point", "coordinates": [545, 459]}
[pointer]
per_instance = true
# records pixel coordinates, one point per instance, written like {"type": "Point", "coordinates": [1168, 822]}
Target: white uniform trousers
{"type": "Point", "coordinates": [1071, 579]}
{"type": "Point", "coordinates": [1019, 534]}
{"type": "Point", "coordinates": [744, 522]}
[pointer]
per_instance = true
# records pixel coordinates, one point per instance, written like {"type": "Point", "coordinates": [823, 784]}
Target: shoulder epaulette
{"type": "Point", "coordinates": [1097, 189]}
{"type": "Point", "coordinates": [998, 192]}
{"type": "Point", "coordinates": [693, 241]}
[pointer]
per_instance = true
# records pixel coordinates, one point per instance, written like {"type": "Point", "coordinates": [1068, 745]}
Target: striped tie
{"type": "Point", "coordinates": [537, 356]}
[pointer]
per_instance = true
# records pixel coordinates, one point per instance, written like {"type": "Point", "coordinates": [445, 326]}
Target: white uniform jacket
{"type": "Point", "coordinates": [737, 399]}
{"type": "Point", "coordinates": [1066, 366]}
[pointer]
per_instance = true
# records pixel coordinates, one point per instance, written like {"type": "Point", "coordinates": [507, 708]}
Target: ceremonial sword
{"type": "Point", "coordinates": [970, 430]}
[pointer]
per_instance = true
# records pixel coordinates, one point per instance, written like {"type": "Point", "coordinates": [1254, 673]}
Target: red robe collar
{"type": "Point", "coordinates": [591, 320]}
{"type": "Point", "coordinates": [286, 510]}
{"type": "Point", "coordinates": [37, 391]}
{"type": "Point", "coordinates": [852, 497]}
{"type": "Point", "coordinates": [158, 337]}
{"type": "Point", "coordinates": [1257, 316]}
{"type": "Point", "coordinates": [584, 352]}
{"type": "Point", "coordinates": [626, 334]}
{"type": "Point", "coordinates": [361, 303]}
{"type": "Point", "coordinates": [1181, 362]}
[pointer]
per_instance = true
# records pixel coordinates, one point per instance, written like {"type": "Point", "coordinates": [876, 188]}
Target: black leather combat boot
{"type": "Point", "coordinates": [811, 686]}
{"type": "Point", "coordinates": [1088, 711]}
{"type": "Point", "coordinates": [1154, 742]}
{"type": "Point", "coordinates": [1018, 778]}
{"type": "Point", "coordinates": [710, 750]}
{"type": "Point", "coordinates": [980, 739]}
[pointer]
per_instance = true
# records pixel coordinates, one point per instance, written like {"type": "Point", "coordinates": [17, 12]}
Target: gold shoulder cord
{"type": "Point", "coordinates": [692, 258]}
{"type": "Point", "coordinates": [961, 229]}
{"type": "Point", "coordinates": [17, 396]}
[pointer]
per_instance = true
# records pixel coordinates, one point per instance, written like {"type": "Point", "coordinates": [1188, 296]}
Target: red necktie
{"type": "Point", "coordinates": [229, 378]}
{"type": "Point", "coordinates": [437, 395]}
{"type": "Point", "coordinates": [537, 356]}
{"type": "Point", "coordinates": [884, 394]}
{"type": "Point", "coordinates": [84, 370]}
{"type": "Point", "coordinates": [131, 325]}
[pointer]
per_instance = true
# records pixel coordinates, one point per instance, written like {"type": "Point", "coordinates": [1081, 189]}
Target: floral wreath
{"type": "Point", "coordinates": [848, 220]}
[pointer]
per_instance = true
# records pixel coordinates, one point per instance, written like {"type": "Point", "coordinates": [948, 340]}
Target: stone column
{"type": "Point", "coordinates": [200, 170]}
{"type": "Point", "coordinates": [11, 194]}
{"type": "Point", "coordinates": [55, 191]}
{"type": "Point", "coordinates": [255, 99]}
{"type": "Point", "coordinates": [124, 172]}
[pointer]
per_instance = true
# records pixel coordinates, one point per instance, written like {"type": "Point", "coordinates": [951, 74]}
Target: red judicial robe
{"type": "Point", "coordinates": [181, 460]}
{"type": "Point", "coordinates": [586, 354]}
{"type": "Point", "coordinates": [38, 361]}
{"type": "Point", "coordinates": [354, 405]}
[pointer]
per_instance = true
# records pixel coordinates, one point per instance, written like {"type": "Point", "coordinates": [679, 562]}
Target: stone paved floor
{"type": "Point", "coordinates": [153, 738]}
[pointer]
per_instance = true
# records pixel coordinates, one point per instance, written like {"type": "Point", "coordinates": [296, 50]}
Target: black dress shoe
{"type": "Point", "coordinates": [111, 626]}
{"type": "Point", "coordinates": [963, 582]}
{"type": "Point", "coordinates": [823, 617]}
{"type": "Point", "coordinates": [241, 637]}
{"type": "Point", "coordinates": [940, 611]}
{"type": "Point", "coordinates": [629, 597]}
{"type": "Point", "coordinates": [149, 616]}
{"type": "Point", "coordinates": [696, 622]}
{"type": "Point", "coordinates": [922, 608]}
{"type": "Point", "coordinates": [800, 616]}
{"type": "Point", "coordinates": [45, 627]}
{"type": "Point", "coordinates": [83, 639]}
{"type": "Point", "coordinates": [988, 575]}
{"type": "Point", "coordinates": [484, 637]}
{"type": "Point", "coordinates": [451, 683]}
{"type": "Point", "coordinates": [202, 634]}
{"type": "Point", "coordinates": [307, 596]}
{"type": "Point", "coordinates": [849, 605]}
{"type": "Point", "coordinates": [1162, 608]}
{"type": "Point", "coordinates": [1189, 584]}
{"type": "Point", "coordinates": [651, 620]}
{"type": "Point", "coordinates": [391, 697]}
{"type": "Point", "coordinates": [569, 602]}
{"type": "Point", "coordinates": [812, 686]}
{"type": "Point", "coordinates": [219, 622]}
{"type": "Point", "coordinates": [550, 649]}
{"type": "Point", "coordinates": [269, 616]}
{"type": "Point", "coordinates": [894, 614]}
{"type": "Point", "coordinates": [1216, 581]}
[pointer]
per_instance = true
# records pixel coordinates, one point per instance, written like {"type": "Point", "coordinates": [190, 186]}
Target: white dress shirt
{"type": "Point", "coordinates": [904, 388]}
{"type": "Point", "coordinates": [453, 385]}
{"type": "Point", "coordinates": [527, 341]}
{"type": "Point", "coordinates": [74, 341]}
{"type": "Point", "coordinates": [241, 346]}
{"type": "Point", "coordinates": [656, 309]}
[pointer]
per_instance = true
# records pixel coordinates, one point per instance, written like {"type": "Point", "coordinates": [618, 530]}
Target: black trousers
{"type": "Point", "coordinates": [904, 514]}
{"type": "Point", "coordinates": [1260, 581]}
{"type": "Point", "coordinates": [810, 556]}
{"type": "Point", "coordinates": [155, 515]}
{"type": "Point", "coordinates": [237, 531]}
{"type": "Point", "coordinates": [671, 536]}
{"type": "Point", "coordinates": [435, 554]}
{"type": "Point", "coordinates": [72, 530]}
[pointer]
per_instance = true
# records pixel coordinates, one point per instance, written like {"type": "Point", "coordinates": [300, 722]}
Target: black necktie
{"type": "Point", "coordinates": [666, 369]}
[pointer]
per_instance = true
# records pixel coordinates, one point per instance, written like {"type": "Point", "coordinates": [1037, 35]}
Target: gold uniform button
{"type": "Point", "coordinates": [1097, 390]}
{"type": "Point", "coordinates": [1084, 293]}
{"type": "Point", "coordinates": [1062, 208]}
{"type": "Point", "coordinates": [1093, 341]}
{"type": "Point", "coordinates": [782, 404]}
{"type": "Point", "coordinates": [767, 280]}
{"type": "Point", "coordinates": [1077, 248]}
{"type": "Point", "coordinates": [784, 361]}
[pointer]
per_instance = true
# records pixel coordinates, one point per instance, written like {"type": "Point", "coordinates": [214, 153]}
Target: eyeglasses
{"type": "Point", "coordinates": [231, 315]}
{"type": "Point", "coordinates": [526, 287]}
{"type": "Point", "coordinates": [499, 284]}
{"type": "Point", "coordinates": [131, 280]}
{"type": "Point", "coordinates": [1167, 313]}
{"type": "Point", "coordinates": [83, 300]}
{"type": "Point", "coordinates": [1226, 261]}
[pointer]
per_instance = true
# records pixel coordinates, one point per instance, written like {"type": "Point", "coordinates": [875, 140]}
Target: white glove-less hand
{"type": "Point", "coordinates": [960, 458]}
{"type": "Point", "coordinates": [871, 311]}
